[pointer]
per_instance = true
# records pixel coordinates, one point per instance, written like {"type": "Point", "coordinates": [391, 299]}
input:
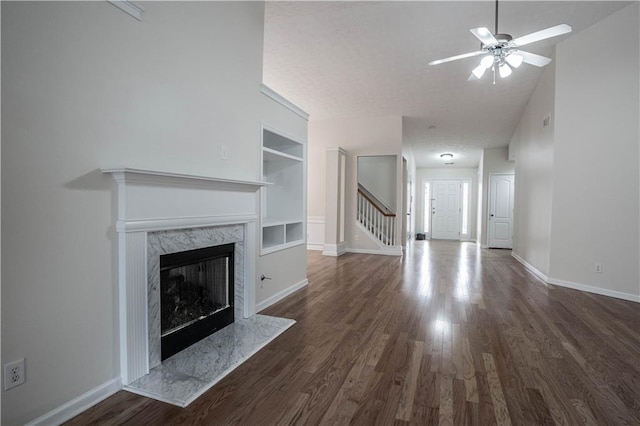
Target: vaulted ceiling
{"type": "Point", "coordinates": [369, 59]}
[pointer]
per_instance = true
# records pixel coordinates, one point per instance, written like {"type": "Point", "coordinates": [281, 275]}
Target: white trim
{"type": "Point", "coordinates": [334, 250]}
{"type": "Point", "coordinates": [315, 219]}
{"type": "Point", "coordinates": [576, 286]}
{"type": "Point", "coordinates": [280, 247]}
{"type": "Point", "coordinates": [270, 93]}
{"type": "Point", "coordinates": [315, 246]}
{"type": "Point", "coordinates": [595, 290]}
{"type": "Point", "coordinates": [183, 222]}
{"type": "Point", "coordinates": [155, 177]}
{"type": "Point", "coordinates": [281, 295]}
{"type": "Point", "coordinates": [535, 271]}
{"type": "Point", "coordinates": [338, 149]}
{"type": "Point", "coordinates": [390, 251]}
{"type": "Point", "coordinates": [130, 7]}
{"type": "Point", "coordinates": [77, 405]}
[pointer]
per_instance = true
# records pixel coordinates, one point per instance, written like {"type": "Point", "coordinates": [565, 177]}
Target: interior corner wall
{"type": "Point", "coordinates": [85, 86]}
{"type": "Point", "coordinates": [426, 174]}
{"type": "Point", "coordinates": [532, 148]}
{"type": "Point", "coordinates": [494, 160]}
{"type": "Point", "coordinates": [596, 194]}
{"type": "Point", "coordinates": [286, 268]}
{"type": "Point", "coordinates": [358, 136]}
{"type": "Point", "coordinates": [378, 174]}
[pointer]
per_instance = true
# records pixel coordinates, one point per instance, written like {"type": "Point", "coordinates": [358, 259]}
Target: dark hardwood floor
{"type": "Point", "coordinates": [447, 334]}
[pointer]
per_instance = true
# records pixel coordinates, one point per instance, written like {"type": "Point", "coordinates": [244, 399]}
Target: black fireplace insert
{"type": "Point", "coordinates": [196, 295]}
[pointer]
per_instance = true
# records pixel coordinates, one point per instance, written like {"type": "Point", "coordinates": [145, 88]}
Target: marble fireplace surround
{"type": "Point", "coordinates": [160, 212]}
{"type": "Point", "coordinates": [175, 241]}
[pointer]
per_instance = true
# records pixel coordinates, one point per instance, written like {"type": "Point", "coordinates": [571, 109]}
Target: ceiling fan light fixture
{"type": "Point", "coordinates": [504, 70]}
{"type": "Point", "coordinates": [514, 60]}
{"type": "Point", "coordinates": [479, 71]}
{"type": "Point", "coordinates": [446, 157]}
{"type": "Point", "coordinates": [487, 61]}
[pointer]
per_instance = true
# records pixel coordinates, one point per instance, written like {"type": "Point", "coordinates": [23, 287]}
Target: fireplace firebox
{"type": "Point", "coordinates": [196, 296]}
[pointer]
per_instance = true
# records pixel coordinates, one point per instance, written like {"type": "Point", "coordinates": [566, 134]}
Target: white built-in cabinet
{"type": "Point", "coordinates": [283, 209]}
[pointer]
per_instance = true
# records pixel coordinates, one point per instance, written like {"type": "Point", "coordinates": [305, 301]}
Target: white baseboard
{"type": "Point", "coordinates": [315, 246]}
{"type": "Point", "coordinates": [391, 251]}
{"type": "Point", "coordinates": [280, 295]}
{"type": "Point", "coordinates": [577, 286]}
{"type": "Point", "coordinates": [596, 290]}
{"type": "Point", "coordinates": [334, 250]}
{"type": "Point", "coordinates": [535, 271]}
{"type": "Point", "coordinates": [77, 405]}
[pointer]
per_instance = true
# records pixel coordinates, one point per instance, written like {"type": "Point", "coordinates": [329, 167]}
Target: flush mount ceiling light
{"type": "Point", "coordinates": [501, 52]}
{"type": "Point", "coordinates": [446, 157]}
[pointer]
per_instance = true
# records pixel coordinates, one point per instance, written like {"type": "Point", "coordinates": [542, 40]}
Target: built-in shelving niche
{"type": "Point", "coordinates": [283, 161]}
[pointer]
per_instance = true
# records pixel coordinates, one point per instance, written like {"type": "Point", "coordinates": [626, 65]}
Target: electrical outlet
{"type": "Point", "coordinates": [356, 237]}
{"type": "Point", "coordinates": [598, 268]}
{"type": "Point", "coordinates": [14, 374]}
{"type": "Point", "coordinates": [223, 152]}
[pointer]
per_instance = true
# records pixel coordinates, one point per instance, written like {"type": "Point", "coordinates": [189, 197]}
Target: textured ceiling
{"type": "Point", "coordinates": [369, 59]}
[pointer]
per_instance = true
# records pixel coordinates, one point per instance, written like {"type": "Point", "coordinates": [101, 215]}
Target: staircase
{"type": "Point", "coordinates": [376, 218]}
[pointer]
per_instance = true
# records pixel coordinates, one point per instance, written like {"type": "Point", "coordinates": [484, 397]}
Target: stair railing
{"type": "Point", "coordinates": [379, 223]}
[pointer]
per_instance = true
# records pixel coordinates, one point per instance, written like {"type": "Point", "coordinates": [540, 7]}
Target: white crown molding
{"type": "Point", "coordinates": [77, 405]}
{"type": "Point", "coordinates": [338, 149]}
{"type": "Point", "coordinates": [270, 93]}
{"type": "Point", "coordinates": [156, 177]}
{"type": "Point", "coordinates": [132, 8]}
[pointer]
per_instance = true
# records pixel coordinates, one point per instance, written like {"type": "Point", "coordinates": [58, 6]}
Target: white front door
{"type": "Point", "coordinates": [501, 211]}
{"type": "Point", "coordinates": [445, 210]}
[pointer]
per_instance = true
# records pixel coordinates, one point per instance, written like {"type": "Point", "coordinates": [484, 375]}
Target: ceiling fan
{"type": "Point", "coordinates": [503, 52]}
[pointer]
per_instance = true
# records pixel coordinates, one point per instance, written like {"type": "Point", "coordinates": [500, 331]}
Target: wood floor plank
{"type": "Point", "coordinates": [449, 333]}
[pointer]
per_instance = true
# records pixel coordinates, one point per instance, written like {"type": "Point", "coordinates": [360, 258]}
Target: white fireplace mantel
{"type": "Point", "coordinates": [151, 201]}
{"type": "Point", "coordinates": [127, 174]}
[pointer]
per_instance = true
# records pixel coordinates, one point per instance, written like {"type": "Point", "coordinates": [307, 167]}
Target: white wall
{"type": "Point", "coordinates": [532, 148]}
{"type": "Point", "coordinates": [358, 136]}
{"type": "Point", "coordinates": [596, 204]}
{"type": "Point", "coordinates": [494, 160]}
{"type": "Point", "coordinates": [378, 175]}
{"type": "Point", "coordinates": [86, 86]}
{"type": "Point", "coordinates": [428, 174]}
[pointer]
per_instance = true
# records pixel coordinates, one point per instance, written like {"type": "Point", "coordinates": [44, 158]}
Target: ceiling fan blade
{"type": "Point", "coordinates": [455, 58]}
{"type": "Point", "coordinates": [484, 35]}
{"type": "Point", "coordinates": [542, 34]}
{"type": "Point", "coordinates": [534, 59]}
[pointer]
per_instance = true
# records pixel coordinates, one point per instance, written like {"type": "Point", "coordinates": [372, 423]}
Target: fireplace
{"type": "Point", "coordinates": [196, 295]}
{"type": "Point", "coordinates": [210, 212]}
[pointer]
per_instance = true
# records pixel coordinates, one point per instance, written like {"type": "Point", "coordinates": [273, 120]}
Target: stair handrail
{"type": "Point", "coordinates": [375, 202]}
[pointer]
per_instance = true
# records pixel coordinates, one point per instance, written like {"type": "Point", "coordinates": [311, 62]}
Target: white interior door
{"type": "Point", "coordinates": [445, 210]}
{"type": "Point", "coordinates": [501, 211]}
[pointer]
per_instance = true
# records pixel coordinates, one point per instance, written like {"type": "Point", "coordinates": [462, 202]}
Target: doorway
{"type": "Point", "coordinates": [445, 210]}
{"type": "Point", "coordinates": [500, 220]}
